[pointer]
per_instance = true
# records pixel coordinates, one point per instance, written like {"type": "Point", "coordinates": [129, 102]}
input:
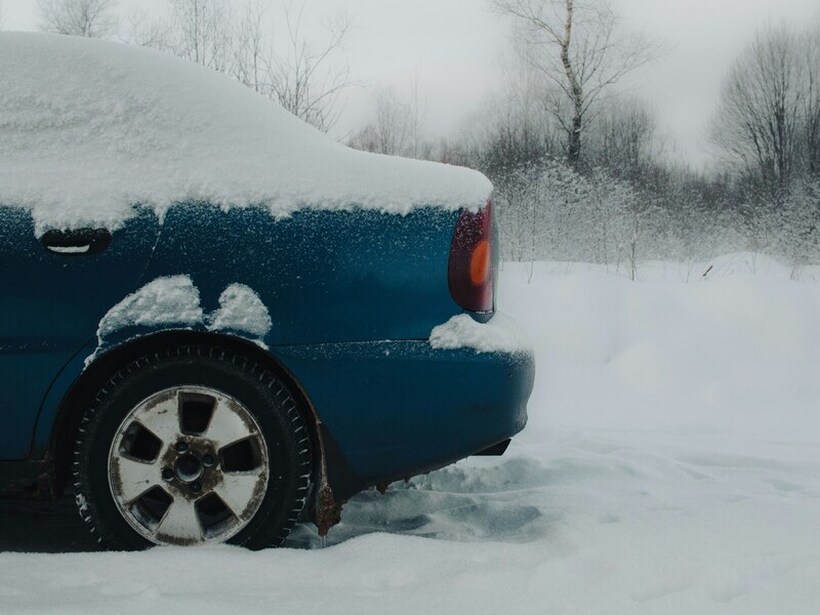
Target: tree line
{"type": "Point", "coordinates": [580, 169]}
{"type": "Point", "coordinates": [582, 173]}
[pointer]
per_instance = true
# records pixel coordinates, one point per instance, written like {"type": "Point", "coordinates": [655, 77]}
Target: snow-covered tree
{"type": "Point", "coordinates": [795, 226]}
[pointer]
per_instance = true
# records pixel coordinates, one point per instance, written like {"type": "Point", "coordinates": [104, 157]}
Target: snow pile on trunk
{"type": "Point", "coordinates": [89, 129]}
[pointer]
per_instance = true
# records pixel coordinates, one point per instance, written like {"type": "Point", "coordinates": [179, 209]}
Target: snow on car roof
{"type": "Point", "coordinates": [89, 129]}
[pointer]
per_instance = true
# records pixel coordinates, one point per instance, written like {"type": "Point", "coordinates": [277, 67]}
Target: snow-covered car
{"type": "Point", "coordinates": [215, 320]}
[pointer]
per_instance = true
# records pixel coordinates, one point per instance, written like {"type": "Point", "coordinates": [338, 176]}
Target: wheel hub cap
{"type": "Point", "coordinates": [187, 466]}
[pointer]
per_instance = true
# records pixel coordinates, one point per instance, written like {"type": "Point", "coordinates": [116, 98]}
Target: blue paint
{"type": "Point", "coordinates": [50, 305]}
{"type": "Point", "coordinates": [396, 406]}
{"type": "Point", "coordinates": [352, 295]}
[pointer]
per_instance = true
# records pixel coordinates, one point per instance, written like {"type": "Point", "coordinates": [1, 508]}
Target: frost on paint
{"type": "Point", "coordinates": [90, 129]}
{"type": "Point", "coordinates": [500, 334]}
{"type": "Point", "coordinates": [241, 309]}
{"type": "Point", "coordinates": [167, 300]}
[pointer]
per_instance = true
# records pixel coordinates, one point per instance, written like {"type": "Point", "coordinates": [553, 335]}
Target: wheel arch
{"type": "Point", "coordinates": [82, 392]}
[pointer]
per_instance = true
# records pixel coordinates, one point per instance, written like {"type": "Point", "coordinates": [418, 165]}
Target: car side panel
{"type": "Point", "coordinates": [50, 306]}
{"type": "Point", "coordinates": [352, 297]}
{"type": "Point", "coordinates": [324, 276]}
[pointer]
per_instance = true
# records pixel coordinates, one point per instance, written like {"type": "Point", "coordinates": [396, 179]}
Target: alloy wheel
{"type": "Point", "coordinates": [188, 465]}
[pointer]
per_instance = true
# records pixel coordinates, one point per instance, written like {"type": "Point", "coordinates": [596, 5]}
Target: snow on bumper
{"type": "Point", "coordinates": [500, 334]}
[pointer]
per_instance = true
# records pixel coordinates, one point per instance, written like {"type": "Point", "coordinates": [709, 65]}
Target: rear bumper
{"type": "Point", "coordinates": [393, 409]}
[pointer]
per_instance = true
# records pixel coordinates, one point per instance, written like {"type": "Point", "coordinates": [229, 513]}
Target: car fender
{"type": "Point", "coordinates": [166, 304]}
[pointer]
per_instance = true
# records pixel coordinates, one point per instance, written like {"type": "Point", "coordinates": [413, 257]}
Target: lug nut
{"type": "Point", "coordinates": [182, 447]}
{"type": "Point", "coordinates": [167, 473]}
{"type": "Point", "coordinates": [196, 487]}
{"type": "Point", "coordinates": [208, 460]}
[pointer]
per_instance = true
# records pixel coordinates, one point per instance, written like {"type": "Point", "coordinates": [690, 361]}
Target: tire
{"type": "Point", "coordinates": [192, 445]}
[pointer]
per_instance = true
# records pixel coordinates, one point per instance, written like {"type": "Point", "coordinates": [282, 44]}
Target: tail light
{"type": "Point", "coordinates": [472, 261]}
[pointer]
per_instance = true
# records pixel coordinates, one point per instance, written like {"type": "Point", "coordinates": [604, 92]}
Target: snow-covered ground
{"type": "Point", "coordinates": [671, 465]}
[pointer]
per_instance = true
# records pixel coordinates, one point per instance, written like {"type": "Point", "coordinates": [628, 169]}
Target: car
{"type": "Point", "coordinates": [216, 321]}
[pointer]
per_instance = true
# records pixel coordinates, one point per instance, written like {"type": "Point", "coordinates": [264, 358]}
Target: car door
{"type": "Point", "coordinates": [54, 289]}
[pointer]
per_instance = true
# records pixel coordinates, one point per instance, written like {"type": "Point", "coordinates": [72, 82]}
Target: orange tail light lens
{"type": "Point", "coordinates": [480, 263]}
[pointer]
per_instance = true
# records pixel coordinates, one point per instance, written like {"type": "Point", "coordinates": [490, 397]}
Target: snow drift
{"type": "Point", "coordinates": [89, 129]}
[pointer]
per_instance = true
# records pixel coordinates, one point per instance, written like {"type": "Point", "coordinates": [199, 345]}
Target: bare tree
{"type": "Point", "coordinates": [307, 78]}
{"type": "Point", "coordinates": [251, 52]}
{"type": "Point", "coordinates": [417, 113]}
{"type": "Point", "coordinates": [397, 124]}
{"type": "Point", "coordinates": [201, 32]}
{"type": "Point", "coordinates": [91, 18]}
{"type": "Point", "coordinates": [577, 46]}
{"type": "Point", "coordinates": [143, 31]}
{"type": "Point", "coordinates": [811, 103]}
{"type": "Point", "coordinates": [759, 120]}
{"type": "Point", "coordinates": [390, 131]}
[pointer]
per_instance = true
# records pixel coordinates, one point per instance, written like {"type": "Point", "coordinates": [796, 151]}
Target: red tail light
{"type": "Point", "coordinates": [472, 260]}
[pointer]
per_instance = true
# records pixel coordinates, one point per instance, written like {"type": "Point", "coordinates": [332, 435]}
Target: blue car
{"type": "Point", "coordinates": [216, 321]}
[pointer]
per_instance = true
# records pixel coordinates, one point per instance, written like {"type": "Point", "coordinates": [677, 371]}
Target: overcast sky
{"type": "Point", "coordinates": [454, 46]}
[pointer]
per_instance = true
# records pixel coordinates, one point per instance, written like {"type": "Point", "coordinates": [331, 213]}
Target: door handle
{"type": "Point", "coordinates": [77, 242]}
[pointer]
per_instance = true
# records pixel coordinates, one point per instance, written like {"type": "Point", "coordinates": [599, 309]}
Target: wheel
{"type": "Point", "coordinates": [192, 445]}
